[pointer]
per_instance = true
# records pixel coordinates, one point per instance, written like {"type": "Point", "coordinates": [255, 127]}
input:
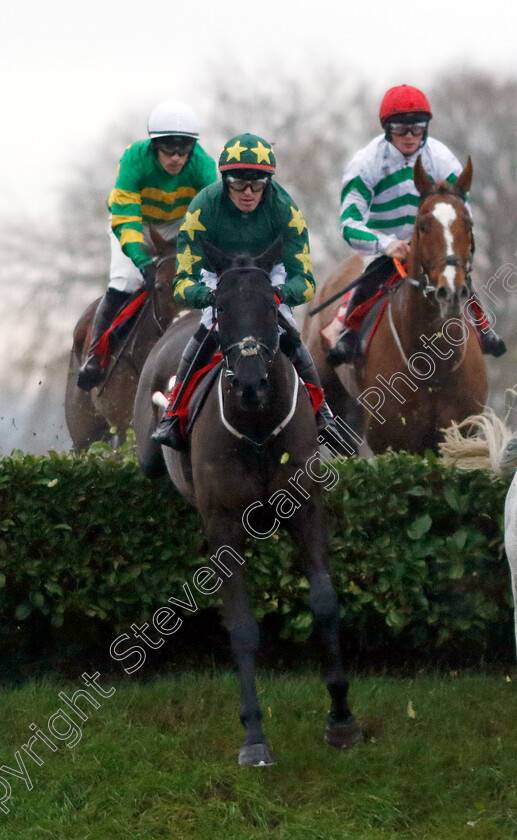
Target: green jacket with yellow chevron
{"type": "Point", "coordinates": [145, 193]}
{"type": "Point", "coordinates": [213, 216]}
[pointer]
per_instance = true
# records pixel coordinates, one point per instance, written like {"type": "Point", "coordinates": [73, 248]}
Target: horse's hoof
{"type": "Point", "coordinates": [343, 736]}
{"type": "Point", "coordinates": [255, 755]}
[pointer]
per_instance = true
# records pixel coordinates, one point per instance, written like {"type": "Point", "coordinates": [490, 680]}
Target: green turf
{"type": "Point", "coordinates": [159, 760]}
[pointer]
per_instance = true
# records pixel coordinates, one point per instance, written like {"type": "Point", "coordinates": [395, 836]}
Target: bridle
{"type": "Point", "coordinates": [248, 346]}
{"type": "Point", "coordinates": [423, 283]}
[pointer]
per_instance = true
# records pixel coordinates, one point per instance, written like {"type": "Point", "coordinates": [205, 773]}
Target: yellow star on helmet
{"type": "Point", "coordinates": [297, 221]}
{"type": "Point", "coordinates": [305, 259]}
{"type": "Point", "coordinates": [262, 152]}
{"type": "Point", "coordinates": [235, 151]}
{"type": "Point", "coordinates": [192, 223]}
{"type": "Point", "coordinates": [186, 260]}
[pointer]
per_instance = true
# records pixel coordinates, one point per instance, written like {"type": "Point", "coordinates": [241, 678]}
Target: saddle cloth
{"type": "Point", "coordinates": [117, 328]}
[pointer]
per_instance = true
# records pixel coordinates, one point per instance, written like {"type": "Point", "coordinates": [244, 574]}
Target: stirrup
{"type": "Point", "coordinates": [345, 349]}
{"type": "Point", "coordinates": [492, 344]}
{"type": "Point", "coordinates": [90, 374]}
{"type": "Point", "coordinates": [167, 433]}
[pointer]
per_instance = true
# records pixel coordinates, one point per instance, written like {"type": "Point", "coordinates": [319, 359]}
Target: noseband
{"type": "Point", "coordinates": [423, 283]}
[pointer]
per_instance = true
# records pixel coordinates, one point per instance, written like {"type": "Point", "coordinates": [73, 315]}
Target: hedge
{"type": "Point", "coordinates": [415, 553]}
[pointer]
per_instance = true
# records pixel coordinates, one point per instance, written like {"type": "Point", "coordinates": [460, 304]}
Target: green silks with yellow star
{"type": "Point", "coordinates": [213, 216]}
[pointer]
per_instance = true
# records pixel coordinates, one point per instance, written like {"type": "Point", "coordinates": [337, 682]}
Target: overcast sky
{"type": "Point", "coordinates": [70, 69]}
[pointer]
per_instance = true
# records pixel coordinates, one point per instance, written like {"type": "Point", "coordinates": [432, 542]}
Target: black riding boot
{"type": "Point", "coordinates": [325, 423]}
{"type": "Point", "coordinates": [91, 373]}
{"type": "Point", "coordinates": [491, 343]}
{"type": "Point", "coordinates": [196, 354]}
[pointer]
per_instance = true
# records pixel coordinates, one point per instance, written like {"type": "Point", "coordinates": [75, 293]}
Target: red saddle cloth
{"type": "Point", "coordinates": [102, 347]}
{"type": "Point", "coordinates": [182, 409]}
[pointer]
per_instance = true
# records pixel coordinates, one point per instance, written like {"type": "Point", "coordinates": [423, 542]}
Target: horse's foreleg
{"type": "Point", "coordinates": [308, 531]}
{"type": "Point", "coordinates": [244, 636]}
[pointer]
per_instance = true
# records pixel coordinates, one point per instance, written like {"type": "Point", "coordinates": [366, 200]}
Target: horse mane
{"type": "Point", "coordinates": [493, 447]}
{"type": "Point", "coordinates": [444, 188]}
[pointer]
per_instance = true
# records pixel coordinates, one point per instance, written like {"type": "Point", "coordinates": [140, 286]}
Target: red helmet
{"type": "Point", "coordinates": [404, 100]}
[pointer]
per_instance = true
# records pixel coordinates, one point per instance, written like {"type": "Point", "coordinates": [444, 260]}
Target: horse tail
{"type": "Point", "coordinates": [492, 447]}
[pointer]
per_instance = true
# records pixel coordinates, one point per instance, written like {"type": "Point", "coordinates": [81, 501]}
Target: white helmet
{"type": "Point", "coordinates": [170, 118]}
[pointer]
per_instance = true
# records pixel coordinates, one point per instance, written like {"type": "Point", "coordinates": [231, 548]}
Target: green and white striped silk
{"type": "Point", "coordinates": [379, 200]}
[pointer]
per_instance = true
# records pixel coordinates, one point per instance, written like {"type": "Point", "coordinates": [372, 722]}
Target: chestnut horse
{"type": "Point", "coordinates": [91, 415]}
{"type": "Point", "coordinates": [424, 367]}
{"type": "Point", "coordinates": [255, 435]}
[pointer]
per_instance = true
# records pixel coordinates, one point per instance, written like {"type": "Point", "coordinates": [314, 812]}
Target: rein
{"type": "Point", "coordinates": [151, 298]}
{"type": "Point", "coordinates": [427, 290]}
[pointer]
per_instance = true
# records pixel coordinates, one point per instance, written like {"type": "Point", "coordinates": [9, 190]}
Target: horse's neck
{"type": "Point", "coordinates": [413, 316]}
{"type": "Point", "coordinates": [417, 322]}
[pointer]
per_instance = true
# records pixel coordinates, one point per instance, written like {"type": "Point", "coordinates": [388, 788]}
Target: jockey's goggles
{"type": "Point", "coordinates": [417, 129]}
{"type": "Point", "coordinates": [241, 184]}
{"type": "Point", "coordinates": [175, 145]}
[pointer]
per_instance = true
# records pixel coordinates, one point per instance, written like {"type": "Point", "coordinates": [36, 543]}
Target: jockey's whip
{"type": "Point", "coordinates": [335, 297]}
{"type": "Point", "coordinates": [398, 266]}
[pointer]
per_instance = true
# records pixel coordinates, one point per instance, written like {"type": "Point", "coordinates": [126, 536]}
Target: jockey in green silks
{"type": "Point", "coordinates": [156, 180]}
{"type": "Point", "coordinates": [244, 213]}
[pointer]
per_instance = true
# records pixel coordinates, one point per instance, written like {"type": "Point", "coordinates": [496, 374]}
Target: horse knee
{"type": "Point", "coordinates": [244, 635]}
{"type": "Point", "coordinates": [323, 600]}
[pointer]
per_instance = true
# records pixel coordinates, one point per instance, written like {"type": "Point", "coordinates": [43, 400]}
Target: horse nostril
{"type": "Point", "coordinates": [441, 293]}
{"type": "Point", "coordinates": [464, 292]}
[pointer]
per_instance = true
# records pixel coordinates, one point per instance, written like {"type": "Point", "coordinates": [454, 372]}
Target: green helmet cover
{"type": "Point", "coordinates": [247, 151]}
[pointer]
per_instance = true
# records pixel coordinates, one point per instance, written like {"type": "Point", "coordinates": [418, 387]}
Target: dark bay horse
{"type": "Point", "coordinates": [253, 438]}
{"type": "Point", "coordinates": [424, 367]}
{"type": "Point", "coordinates": [91, 415]}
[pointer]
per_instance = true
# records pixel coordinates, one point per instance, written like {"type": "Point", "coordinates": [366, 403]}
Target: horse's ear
{"type": "Point", "coordinates": [157, 239]}
{"type": "Point", "coordinates": [271, 257]}
{"type": "Point", "coordinates": [423, 182]}
{"type": "Point", "coordinates": [217, 260]}
{"type": "Point", "coordinates": [464, 181]}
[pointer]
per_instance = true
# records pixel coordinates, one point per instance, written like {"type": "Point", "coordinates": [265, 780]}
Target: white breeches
{"type": "Point", "coordinates": [278, 278]}
{"type": "Point", "coordinates": [124, 275]}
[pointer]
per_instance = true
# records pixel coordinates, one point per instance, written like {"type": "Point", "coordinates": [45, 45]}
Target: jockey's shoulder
{"type": "Point", "coordinates": [279, 195]}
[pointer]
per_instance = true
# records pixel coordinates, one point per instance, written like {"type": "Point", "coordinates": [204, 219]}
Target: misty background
{"type": "Point", "coordinates": [54, 263]}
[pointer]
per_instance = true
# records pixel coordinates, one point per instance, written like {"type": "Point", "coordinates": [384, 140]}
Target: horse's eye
{"type": "Point", "coordinates": [424, 224]}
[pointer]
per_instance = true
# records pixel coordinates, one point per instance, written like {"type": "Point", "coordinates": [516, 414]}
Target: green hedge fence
{"type": "Point", "coordinates": [416, 553]}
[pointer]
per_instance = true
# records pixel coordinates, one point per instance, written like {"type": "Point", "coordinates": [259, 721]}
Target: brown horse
{"type": "Point", "coordinates": [424, 367]}
{"type": "Point", "coordinates": [91, 416]}
{"type": "Point", "coordinates": [254, 439]}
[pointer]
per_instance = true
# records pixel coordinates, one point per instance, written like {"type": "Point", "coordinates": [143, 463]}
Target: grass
{"type": "Point", "coordinates": [159, 760]}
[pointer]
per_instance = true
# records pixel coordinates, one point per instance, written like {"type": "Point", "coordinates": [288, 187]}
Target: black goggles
{"type": "Point", "coordinates": [240, 184]}
{"type": "Point", "coordinates": [416, 129]}
{"type": "Point", "coordinates": [175, 145]}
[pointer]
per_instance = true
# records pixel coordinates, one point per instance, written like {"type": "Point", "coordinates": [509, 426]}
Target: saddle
{"type": "Point", "coordinates": [196, 392]}
{"type": "Point", "coordinates": [363, 319]}
{"type": "Point", "coordinates": [120, 327]}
